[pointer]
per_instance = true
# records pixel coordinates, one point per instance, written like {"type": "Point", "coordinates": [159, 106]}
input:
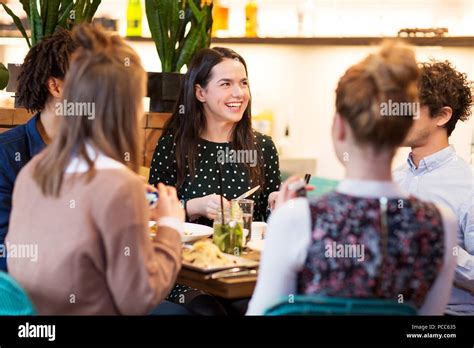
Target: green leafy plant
{"type": "Point", "coordinates": [179, 29]}
{"type": "Point", "coordinates": [44, 16]}
{"type": "Point", "coordinates": [4, 76]}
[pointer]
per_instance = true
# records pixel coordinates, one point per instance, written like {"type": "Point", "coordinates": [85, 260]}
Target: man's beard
{"type": "Point", "coordinates": [416, 140]}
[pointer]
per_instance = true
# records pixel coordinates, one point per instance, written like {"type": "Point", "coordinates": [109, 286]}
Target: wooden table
{"type": "Point", "coordinates": [228, 288]}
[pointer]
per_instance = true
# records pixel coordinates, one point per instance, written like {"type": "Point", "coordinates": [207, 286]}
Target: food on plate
{"type": "Point", "coordinates": [205, 254]}
{"type": "Point", "coordinates": [154, 227]}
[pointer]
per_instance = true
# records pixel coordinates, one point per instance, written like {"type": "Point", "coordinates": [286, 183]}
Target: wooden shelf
{"type": "Point", "coordinates": [457, 41]}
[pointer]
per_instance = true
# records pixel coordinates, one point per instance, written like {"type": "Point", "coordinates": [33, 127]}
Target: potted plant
{"type": "Point", "coordinates": [45, 19]}
{"type": "Point", "coordinates": [179, 29]}
{"type": "Point", "coordinates": [52, 14]}
{"type": "Point", "coordinates": [4, 76]}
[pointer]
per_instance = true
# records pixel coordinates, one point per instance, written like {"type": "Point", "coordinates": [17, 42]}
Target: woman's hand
{"type": "Point", "coordinates": [277, 198]}
{"type": "Point", "coordinates": [206, 206]}
{"type": "Point", "coordinates": [168, 204]}
{"type": "Point", "coordinates": [272, 198]}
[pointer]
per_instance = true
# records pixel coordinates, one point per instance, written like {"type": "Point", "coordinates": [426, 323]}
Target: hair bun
{"type": "Point", "coordinates": [91, 38]}
{"type": "Point", "coordinates": [392, 67]}
{"type": "Point", "coordinates": [390, 75]}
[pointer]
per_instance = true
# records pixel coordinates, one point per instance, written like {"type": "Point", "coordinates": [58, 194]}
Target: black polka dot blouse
{"type": "Point", "coordinates": [235, 179]}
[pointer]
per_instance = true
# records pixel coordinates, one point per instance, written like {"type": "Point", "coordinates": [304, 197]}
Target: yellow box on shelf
{"type": "Point", "coordinates": [251, 23]}
{"type": "Point", "coordinates": [134, 19]}
{"type": "Point", "coordinates": [263, 122]}
{"type": "Point", "coordinates": [220, 17]}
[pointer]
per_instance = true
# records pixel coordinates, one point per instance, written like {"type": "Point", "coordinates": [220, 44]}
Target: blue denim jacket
{"type": "Point", "coordinates": [17, 146]}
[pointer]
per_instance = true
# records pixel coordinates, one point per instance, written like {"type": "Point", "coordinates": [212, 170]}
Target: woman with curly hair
{"type": "Point", "coordinates": [39, 89]}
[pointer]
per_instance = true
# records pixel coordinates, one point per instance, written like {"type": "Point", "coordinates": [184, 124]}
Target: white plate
{"type": "Point", "coordinates": [192, 232]}
{"type": "Point", "coordinates": [256, 244]}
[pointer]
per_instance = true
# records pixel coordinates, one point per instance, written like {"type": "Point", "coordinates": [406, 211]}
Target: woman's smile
{"type": "Point", "coordinates": [235, 106]}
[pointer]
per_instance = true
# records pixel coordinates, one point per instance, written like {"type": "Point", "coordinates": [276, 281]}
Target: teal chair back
{"type": "Point", "coordinates": [318, 305]}
{"type": "Point", "coordinates": [13, 299]}
{"type": "Point", "coordinates": [322, 186]}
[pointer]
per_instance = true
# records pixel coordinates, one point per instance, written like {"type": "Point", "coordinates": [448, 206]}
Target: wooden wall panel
{"type": "Point", "coordinates": [152, 127]}
{"type": "Point", "coordinates": [21, 116]}
{"type": "Point", "coordinates": [151, 136]}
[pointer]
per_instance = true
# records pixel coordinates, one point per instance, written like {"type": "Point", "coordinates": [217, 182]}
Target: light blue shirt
{"type": "Point", "coordinates": [445, 178]}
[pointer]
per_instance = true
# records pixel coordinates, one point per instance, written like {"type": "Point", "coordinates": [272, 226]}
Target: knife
{"type": "Point", "coordinates": [248, 193]}
{"type": "Point", "coordinates": [233, 272]}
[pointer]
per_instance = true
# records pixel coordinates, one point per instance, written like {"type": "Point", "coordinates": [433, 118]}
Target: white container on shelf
{"type": "Point", "coordinates": [306, 18]}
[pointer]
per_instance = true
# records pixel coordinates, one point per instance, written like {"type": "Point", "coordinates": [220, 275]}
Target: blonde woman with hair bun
{"type": "Point", "coordinates": [399, 245]}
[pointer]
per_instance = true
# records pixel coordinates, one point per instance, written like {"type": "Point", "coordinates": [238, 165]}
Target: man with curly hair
{"type": "Point", "coordinates": [39, 90]}
{"type": "Point", "coordinates": [434, 172]}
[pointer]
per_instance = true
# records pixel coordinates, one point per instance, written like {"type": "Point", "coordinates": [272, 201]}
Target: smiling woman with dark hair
{"type": "Point", "coordinates": [210, 136]}
{"type": "Point", "coordinates": [211, 131]}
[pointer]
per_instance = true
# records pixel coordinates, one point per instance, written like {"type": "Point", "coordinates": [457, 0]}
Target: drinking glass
{"type": "Point", "coordinates": [228, 236]}
{"type": "Point", "coordinates": [246, 209]}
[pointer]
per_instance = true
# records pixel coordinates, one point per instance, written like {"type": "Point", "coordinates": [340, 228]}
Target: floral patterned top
{"type": "Point", "coordinates": [350, 255]}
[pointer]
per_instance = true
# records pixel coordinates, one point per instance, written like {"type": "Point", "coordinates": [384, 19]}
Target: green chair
{"type": "Point", "coordinates": [325, 306]}
{"type": "Point", "coordinates": [13, 299]}
{"type": "Point", "coordinates": [322, 186]}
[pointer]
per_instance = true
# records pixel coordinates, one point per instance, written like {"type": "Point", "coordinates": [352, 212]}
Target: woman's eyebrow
{"type": "Point", "coordinates": [230, 80]}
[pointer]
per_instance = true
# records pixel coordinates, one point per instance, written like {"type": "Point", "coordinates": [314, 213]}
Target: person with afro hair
{"type": "Point", "coordinates": [39, 89]}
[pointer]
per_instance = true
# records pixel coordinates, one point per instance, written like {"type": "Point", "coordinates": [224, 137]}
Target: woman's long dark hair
{"type": "Point", "coordinates": [188, 120]}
